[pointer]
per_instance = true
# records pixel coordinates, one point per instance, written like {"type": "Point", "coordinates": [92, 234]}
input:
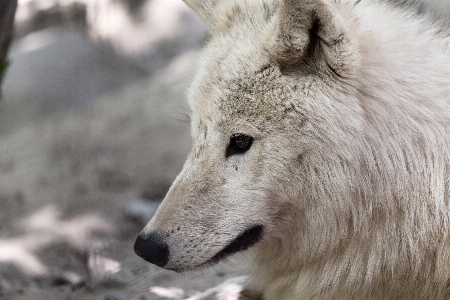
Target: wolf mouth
{"type": "Point", "coordinates": [242, 242]}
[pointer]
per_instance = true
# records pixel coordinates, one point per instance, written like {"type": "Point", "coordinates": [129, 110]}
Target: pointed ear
{"type": "Point", "coordinates": [311, 35]}
{"type": "Point", "coordinates": [205, 9]}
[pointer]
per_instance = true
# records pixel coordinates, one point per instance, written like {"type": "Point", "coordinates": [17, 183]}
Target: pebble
{"type": "Point", "coordinates": [220, 273]}
{"type": "Point", "coordinates": [114, 296]}
{"type": "Point", "coordinates": [100, 267]}
{"type": "Point", "coordinates": [71, 278]}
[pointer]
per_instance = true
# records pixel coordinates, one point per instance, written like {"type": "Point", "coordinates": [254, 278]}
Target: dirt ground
{"type": "Point", "coordinates": [94, 127]}
{"type": "Point", "coordinates": [92, 133]}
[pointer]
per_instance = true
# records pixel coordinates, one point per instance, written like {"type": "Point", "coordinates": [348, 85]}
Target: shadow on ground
{"type": "Point", "coordinates": [92, 132]}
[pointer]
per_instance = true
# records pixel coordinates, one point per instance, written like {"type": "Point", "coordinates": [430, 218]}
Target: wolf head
{"type": "Point", "coordinates": [263, 107]}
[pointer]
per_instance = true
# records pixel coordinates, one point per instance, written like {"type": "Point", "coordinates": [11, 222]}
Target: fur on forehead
{"type": "Point", "coordinates": [239, 87]}
{"type": "Point", "coordinates": [231, 96]}
{"type": "Point", "coordinates": [229, 75]}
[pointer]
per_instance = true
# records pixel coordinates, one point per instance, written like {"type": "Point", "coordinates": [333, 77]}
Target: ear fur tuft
{"type": "Point", "coordinates": [205, 9]}
{"type": "Point", "coordinates": [313, 33]}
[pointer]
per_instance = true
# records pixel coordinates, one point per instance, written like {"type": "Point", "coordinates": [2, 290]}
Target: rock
{"type": "Point", "coordinates": [100, 267]}
{"type": "Point", "coordinates": [221, 273]}
{"type": "Point", "coordinates": [114, 296]}
{"type": "Point", "coordinates": [64, 278]}
{"type": "Point", "coordinates": [170, 293]}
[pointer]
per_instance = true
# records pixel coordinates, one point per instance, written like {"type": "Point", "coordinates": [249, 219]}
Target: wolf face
{"type": "Point", "coordinates": [311, 143]}
{"type": "Point", "coordinates": [250, 133]}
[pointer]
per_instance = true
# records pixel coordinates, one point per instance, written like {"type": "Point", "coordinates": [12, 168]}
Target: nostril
{"type": "Point", "coordinates": [152, 248]}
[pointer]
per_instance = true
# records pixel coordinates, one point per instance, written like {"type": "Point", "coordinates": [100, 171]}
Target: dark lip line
{"type": "Point", "coordinates": [243, 241]}
{"type": "Point", "coordinates": [253, 235]}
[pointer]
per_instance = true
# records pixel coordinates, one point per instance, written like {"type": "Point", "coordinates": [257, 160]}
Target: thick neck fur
{"type": "Point", "coordinates": [395, 246]}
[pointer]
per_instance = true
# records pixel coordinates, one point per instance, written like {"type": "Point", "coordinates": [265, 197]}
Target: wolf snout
{"type": "Point", "coordinates": [152, 248]}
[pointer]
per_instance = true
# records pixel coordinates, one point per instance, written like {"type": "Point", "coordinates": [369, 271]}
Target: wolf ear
{"type": "Point", "coordinates": [310, 35]}
{"type": "Point", "coordinates": [205, 9]}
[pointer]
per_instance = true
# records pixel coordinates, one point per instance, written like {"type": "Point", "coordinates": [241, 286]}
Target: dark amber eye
{"type": "Point", "coordinates": [239, 143]}
{"type": "Point", "coordinates": [242, 141]}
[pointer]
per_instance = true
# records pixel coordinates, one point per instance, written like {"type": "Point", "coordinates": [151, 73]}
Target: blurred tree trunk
{"type": "Point", "coordinates": [7, 11]}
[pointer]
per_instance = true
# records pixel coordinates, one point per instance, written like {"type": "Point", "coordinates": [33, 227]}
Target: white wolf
{"type": "Point", "coordinates": [321, 139]}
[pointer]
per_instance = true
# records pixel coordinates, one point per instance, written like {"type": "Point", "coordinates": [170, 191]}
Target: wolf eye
{"type": "Point", "coordinates": [242, 141]}
{"type": "Point", "coordinates": [239, 143]}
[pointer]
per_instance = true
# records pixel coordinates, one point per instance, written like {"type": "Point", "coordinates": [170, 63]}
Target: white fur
{"type": "Point", "coordinates": [350, 166]}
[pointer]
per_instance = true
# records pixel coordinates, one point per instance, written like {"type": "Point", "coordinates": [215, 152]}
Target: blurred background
{"type": "Point", "coordinates": [94, 127]}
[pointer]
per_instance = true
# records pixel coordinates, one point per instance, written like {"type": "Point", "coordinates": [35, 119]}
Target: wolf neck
{"type": "Point", "coordinates": [394, 62]}
{"type": "Point", "coordinates": [351, 274]}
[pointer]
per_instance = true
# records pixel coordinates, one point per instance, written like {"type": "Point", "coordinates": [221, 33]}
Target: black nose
{"type": "Point", "coordinates": [152, 248]}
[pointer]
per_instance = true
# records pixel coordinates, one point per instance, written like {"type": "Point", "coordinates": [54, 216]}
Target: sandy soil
{"type": "Point", "coordinates": [89, 143]}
